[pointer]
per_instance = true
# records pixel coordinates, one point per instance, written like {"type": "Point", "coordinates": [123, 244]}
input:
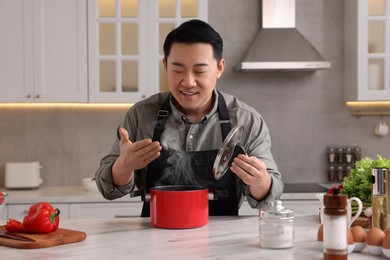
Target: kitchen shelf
{"type": "Point", "coordinates": [362, 113]}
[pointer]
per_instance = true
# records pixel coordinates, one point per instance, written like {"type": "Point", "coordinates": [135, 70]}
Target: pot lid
{"type": "Point", "coordinates": [230, 149]}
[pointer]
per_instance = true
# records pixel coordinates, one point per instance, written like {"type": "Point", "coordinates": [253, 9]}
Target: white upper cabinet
{"type": "Point", "coordinates": [125, 45]}
{"type": "Point", "coordinates": [367, 50]}
{"type": "Point", "coordinates": [43, 51]}
{"type": "Point", "coordinates": [51, 52]}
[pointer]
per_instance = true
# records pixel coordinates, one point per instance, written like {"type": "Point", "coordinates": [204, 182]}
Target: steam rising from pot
{"type": "Point", "coordinates": [179, 169]}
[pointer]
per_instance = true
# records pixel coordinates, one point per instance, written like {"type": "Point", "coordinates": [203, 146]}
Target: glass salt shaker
{"type": "Point", "coordinates": [276, 226]}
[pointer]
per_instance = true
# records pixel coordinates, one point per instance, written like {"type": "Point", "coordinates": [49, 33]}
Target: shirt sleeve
{"type": "Point", "coordinates": [105, 183]}
{"type": "Point", "coordinates": [274, 194]}
{"type": "Point", "coordinates": [259, 145]}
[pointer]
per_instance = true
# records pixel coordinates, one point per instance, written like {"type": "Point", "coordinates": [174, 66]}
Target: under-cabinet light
{"type": "Point", "coordinates": [368, 103]}
{"type": "Point", "coordinates": [67, 105]}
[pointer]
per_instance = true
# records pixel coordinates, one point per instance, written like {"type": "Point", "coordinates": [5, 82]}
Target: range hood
{"type": "Point", "coordinates": [278, 45]}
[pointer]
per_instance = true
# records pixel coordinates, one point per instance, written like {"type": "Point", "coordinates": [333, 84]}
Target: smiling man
{"type": "Point", "coordinates": [190, 122]}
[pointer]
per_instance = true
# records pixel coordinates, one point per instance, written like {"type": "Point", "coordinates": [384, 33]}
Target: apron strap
{"type": "Point", "coordinates": [224, 117]}
{"type": "Point", "coordinates": [162, 117]}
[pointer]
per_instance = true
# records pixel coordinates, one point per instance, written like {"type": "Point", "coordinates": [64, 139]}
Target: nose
{"type": "Point", "coordinates": [188, 80]}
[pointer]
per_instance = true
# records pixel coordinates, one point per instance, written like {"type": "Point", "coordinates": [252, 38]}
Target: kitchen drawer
{"type": "Point", "coordinates": [105, 210]}
{"type": "Point", "coordinates": [4, 213]}
{"type": "Point", "coordinates": [19, 211]}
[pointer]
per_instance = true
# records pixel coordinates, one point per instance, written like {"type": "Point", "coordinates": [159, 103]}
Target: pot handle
{"type": "Point", "coordinates": [144, 196]}
{"type": "Point", "coordinates": [217, 194]}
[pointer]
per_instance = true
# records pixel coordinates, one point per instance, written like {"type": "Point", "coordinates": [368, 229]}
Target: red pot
{"type": "Point", "coordinates": [179, 206]}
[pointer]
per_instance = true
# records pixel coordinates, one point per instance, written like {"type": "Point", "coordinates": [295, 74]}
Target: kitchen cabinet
{"type": "Point", "coordinates": [80, 210]}
{"type": "Point", "coordinates": [367, 50]}
{"type": "Point", "coordinates": [105, 210]}
{"type": "Point", "coordinates": [43, 51]}
{"type": "Point", "coordinates": [19, 211]}
{"type": "Point", "coordinates": [4, 213]}
{"type": "Point", "coordinates": [73, 202]}
{"type": "Point", "coordinates": [125, 45]}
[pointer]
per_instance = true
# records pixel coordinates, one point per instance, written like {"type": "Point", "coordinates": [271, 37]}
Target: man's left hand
{"type": "Point", "coordinates": [253, 172]}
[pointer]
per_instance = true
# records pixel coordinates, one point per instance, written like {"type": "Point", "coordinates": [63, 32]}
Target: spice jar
{"type": "Point", "coordinates": [348, 155]}
{"type": "Point", "coordinates": [331, 173]}
{"type": "Point", "coordinates": [331, 155]}
{"type": "Point", "coordinates": [340, 173]}
{"type": "Point", "coordinates": [276, 226]}
{"type": "Point", "coordinates": [335, 244]}
{"type": "Point", "coordinates": [339, 155]}
{"type": "Point", "coordinates": [347, 171]}
{"type": "Point", "coordinates": [358, 153]}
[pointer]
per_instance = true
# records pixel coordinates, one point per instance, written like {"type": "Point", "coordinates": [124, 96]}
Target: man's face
{"type": "Point", "coordinates": [192, 74]}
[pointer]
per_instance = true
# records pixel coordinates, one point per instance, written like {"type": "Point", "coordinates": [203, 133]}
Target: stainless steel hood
{"type": "Point", "coordinates": [278, 45]}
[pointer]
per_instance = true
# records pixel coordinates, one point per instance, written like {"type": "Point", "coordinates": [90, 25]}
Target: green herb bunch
{"type": "Point", "coordinates": [358, 184]}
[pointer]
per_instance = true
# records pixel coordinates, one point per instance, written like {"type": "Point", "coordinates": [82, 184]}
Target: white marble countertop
{"type": "Point", "coordinates": [134, 238]}
{"type": "Point", "coordinates": [77, 194]}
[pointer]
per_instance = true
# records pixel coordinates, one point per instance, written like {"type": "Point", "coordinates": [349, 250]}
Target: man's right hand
{"type": "Point", "coordinates": [133, 156]}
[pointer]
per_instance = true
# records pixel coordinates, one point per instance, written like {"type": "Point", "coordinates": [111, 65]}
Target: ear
{"type": "Point", "coordinates": [164, 61]}
{"type": "Point", "coordinates": [221, 68]}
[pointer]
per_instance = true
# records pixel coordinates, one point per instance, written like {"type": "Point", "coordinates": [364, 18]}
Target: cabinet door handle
{"type": "Point", "coordinates": [122, 216]}
{"type": "Point", "coordinates": [28, 96]}
{"type": "Point", "coordinates": [37, 96]}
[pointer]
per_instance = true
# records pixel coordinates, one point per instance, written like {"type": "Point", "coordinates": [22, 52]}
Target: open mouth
{"type": "Point", "coordinates": [188, 93]}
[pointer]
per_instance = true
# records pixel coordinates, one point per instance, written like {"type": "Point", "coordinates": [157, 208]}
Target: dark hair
{"type": "Point", "coordinates": [195, 31]}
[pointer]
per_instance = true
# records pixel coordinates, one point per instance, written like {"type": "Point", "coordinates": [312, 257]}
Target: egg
{"type": "Point", "coordinates": [320, 233]}
{"type": "Point", "coordinates": [350, 237]}
{"type": "Point", "coordinates": [386, 243]}
{"type": "Point", "coordinates": [359, 234]}
{"type": "Point", "coordinates": [351, 242]}
{"type": "Point", "coordinates": [359, 237]}
{"type": "Point", "coordinates": [367, 212]}
{"type": "Point", "coordinates": [375, 237]}
{"type": "Point", "coordinates": [386, 239]}
{"type": "Point", "coordinates": [374, 240]}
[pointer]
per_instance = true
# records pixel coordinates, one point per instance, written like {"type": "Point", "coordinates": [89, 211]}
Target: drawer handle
{"type": "Point", "coordinates": [122, 216]}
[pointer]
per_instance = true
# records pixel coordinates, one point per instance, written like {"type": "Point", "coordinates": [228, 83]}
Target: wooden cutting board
{"type": "Point", "coordinates": [56, 238]}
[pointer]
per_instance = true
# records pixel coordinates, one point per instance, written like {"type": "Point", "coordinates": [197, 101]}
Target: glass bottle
{"type": "Point", "coordinates": [380, 198]}
{"type": "Point", "coordinates": [335, 245]}
{"type": "Point", "coordinates": [276, 226]}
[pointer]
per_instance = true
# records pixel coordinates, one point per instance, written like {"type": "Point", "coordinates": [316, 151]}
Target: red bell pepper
{"type": "Point", "coordinates": [14, 225]}
{"type": "Point", "coordinates": [41, 218]}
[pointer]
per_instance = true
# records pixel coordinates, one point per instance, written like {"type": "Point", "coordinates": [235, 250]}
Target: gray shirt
{"type": "Point", "coordinates": [182, 135]}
